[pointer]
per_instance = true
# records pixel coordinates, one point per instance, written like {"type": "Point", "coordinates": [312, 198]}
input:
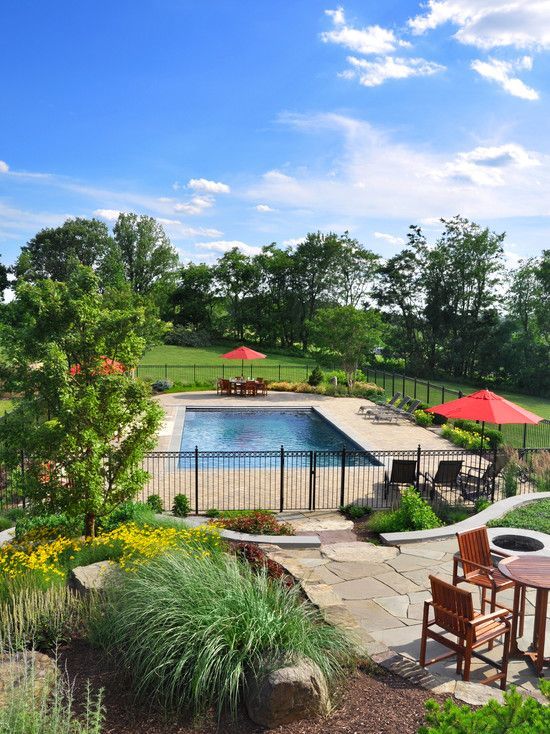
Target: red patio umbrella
{"type": "Point", "coordinates": [487, 407]}
{"type": "Point", "coordinates": [243, 353]}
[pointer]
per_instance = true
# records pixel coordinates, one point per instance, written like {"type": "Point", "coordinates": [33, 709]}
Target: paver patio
{"type": "Point", "coordinates": [384, 589]}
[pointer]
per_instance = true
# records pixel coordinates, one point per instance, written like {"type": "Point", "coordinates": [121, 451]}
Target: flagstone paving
{"type": "Point", "coordinates": [378, 593]}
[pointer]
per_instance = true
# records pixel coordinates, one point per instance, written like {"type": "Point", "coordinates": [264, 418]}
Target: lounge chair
{"type": "Point", "coordinates": [372, 410]}
{"type": "Point", "coordinates": [403, 472]}
{"type": "Point", "coordinates": [391, 414]}
{"type": "Point", "coordinates": [476, 482]}
{"type": "Point", "coordinates": [447, 475]}
{"type": "Point", "coordinates": [409, 410]}
{"type": "Point", "coordinates": [454, 614]}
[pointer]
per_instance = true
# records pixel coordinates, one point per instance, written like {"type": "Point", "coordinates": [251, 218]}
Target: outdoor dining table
{"type": "Point", "coordinates": [532, 572]}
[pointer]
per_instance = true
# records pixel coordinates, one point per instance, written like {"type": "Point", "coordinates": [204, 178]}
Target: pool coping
{"type": "Point", "coordinates": [496, 510]}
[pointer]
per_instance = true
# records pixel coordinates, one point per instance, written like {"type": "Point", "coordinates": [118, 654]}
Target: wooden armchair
{"type": "Point", "coordinates": [453, 613]}
{"type": "Point", "coordinates": [475, 559]}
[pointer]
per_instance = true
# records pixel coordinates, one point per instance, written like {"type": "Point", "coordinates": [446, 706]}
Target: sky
{"type": "Point", "coordinates": [251, 122]}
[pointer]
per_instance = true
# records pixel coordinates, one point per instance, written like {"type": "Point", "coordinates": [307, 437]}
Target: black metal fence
{"type": "Point", "coordinates": [310, 480]}
{"type": "Point", "coordinates": [516, 435]}
{"type": "Point", "coordinates": [314, 480]}
{"type": "Point", "coordinates": [191, 374]}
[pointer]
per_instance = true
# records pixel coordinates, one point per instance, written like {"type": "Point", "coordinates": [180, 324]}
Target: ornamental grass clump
{"type": "Point", "coordinates": [191, 629]}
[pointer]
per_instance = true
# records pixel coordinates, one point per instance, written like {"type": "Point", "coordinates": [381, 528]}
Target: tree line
{"type": "Point", "coordinates": [448, 307]}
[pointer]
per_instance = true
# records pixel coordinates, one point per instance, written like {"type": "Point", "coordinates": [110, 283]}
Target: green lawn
{"type": "Point", "coordinates": [534, 516]}
{"type": "Point", "coordinates": [171, 355]}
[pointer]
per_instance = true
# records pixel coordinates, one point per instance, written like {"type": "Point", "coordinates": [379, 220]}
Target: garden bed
{"type": "Point", "coordinates": [383, 703]}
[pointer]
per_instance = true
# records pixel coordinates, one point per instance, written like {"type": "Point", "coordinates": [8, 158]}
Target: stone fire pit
{"type": "Point", "coordinates": [519, 542]}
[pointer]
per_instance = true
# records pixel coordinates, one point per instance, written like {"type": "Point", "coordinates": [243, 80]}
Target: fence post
{"type": "Point", "coordinates": [165, 371]}
{"type": "Point", "coordinates": [282, 480]}
{"type": "Point", "coordinates": [428, 392]}
{"type": "Point", "coordinates": [279, 373]}
{"type": "Point", "coordinates": [404, 385]}
{"type": "Point", "coordinates": [418, 457]}
{"type": "Point", "coordinates": [196, 480]}
{"type": "Point", "coordinates": [314, 492]}
{"type": "Point", "coordinates": [414, 395]}
{"type": "Point", "coordinates": [310, 497]}
{"type": "Point", "coordinates": [384, 380]}
{"type": "Point", "coordinates": [343, 477]}
{"type": "Point", "coordinates": [460, 394]}
{"type": "Point", "coordinates": [525, 435]}
{"type": "Point", "coordinates": [494, 475]}
{"type": "Point", "coordinates": [195, 373]}
{"type": "Point", "coordinates": [223, 371]}
{"type": "Point", "coordinates": [443, 393]}
{"type": "Point", "coordinates": [393, 383]}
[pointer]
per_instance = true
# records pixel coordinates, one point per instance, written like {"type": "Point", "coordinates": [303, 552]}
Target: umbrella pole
{"type": "Point", "coordinates": [242, 367]}
{"type": "Point", "coordinates": [481, 455]}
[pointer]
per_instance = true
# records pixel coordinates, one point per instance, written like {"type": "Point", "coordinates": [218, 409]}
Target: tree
{"type": "Point", "coordinates": [4, 282]}
{"type": "Point", "coordinates": [193, 296]}
{"type": "Point", "coordinates": [147, 256]}
{"type": "Point", "coordinates": [51, 252]}
{"type": "Point", "coordinates": [82, 424]}
{"type": "Point", "coordinates": [237, 278]}
{"type": "Point", "coordinates": [347, 334]}
{"type": "Point", "coordinates": [356, 268]}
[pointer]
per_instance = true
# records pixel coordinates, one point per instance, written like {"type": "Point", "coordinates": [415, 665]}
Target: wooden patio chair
{"type": "Point", "coordinates": [453, 613]}
{"type": "Point", "coordinates": [249, 388]}
{"type": "Point", "coordinates": [261, 387]}
{"type": "Point", "coordinates": [223, 387]}
{"type": "Point", "coordinates": [446, 475]}
{"type": "Point", "coordinates": [403, 472]}
{"type": "Point", "coordinates": [475, 559]}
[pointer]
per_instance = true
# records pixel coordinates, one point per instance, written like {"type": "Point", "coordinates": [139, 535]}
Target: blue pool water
{"type": "Point", "coordinates": [261, 430]}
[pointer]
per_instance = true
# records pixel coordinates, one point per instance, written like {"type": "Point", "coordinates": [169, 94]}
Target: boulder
{"type": "Point", "coordinates": [86, 579]}
{"type": "Point", "coordinates": [290, 693]}
{"type": "Point", "coordinates": [21, 670]}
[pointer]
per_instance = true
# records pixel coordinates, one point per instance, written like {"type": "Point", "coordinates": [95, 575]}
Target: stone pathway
{"type": "Point", "coordinates": [378, 592]}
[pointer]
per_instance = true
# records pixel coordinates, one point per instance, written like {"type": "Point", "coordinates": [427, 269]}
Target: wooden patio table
{"type": "Point", "coordinates": [533, 572]}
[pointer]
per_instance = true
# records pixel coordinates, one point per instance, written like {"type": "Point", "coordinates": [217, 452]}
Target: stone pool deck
{"type": "Point", "coordinates": [378, 592]}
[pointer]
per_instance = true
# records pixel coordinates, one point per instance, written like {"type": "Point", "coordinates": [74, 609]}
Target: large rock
{"type": "Point", "coordinates": [287, 694]}
{"type": "Point", "coordinates": [358, 552]}
{"type": "Point", "coordinates": [86, 579]}
{"type": "Point", "coordinates": [31, 673]}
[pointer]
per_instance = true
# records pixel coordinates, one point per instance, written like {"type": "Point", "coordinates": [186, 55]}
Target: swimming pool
{"type": "Point", "coordinates": [264, 430]}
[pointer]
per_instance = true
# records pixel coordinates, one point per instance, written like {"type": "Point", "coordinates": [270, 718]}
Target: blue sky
{"type": "Point", "coordinates": [252, 122]}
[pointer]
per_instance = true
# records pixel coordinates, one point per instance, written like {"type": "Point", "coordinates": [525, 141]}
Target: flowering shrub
{"type": "Point", "coordinates": [259, 560]}
{"type": "Point", "coordinates": [423, 419]}
{"type": "Point", "coordinates": [465, 439]}
{"type": "Point", "coordinates": [255, 523]}
{"type": "Point", "coordinates": [359, 389]}
{"type": "Point", "coordinates": [129, 544]}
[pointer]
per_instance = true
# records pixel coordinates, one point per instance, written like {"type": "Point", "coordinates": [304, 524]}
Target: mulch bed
{"type": "Point", "coordinates": [374, 703]}
{"type": "Point", "coordinates": [362, 532]}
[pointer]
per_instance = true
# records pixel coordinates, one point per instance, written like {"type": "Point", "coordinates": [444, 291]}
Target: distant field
{"type": "Point", "coordinates": [171, 355]}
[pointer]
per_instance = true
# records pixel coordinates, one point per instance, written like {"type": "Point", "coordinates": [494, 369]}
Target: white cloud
{"type": "Point", "coordinates": [490, 24]}
{"type": "Point", "coordinates": [226, 245]}
{"type": "Point", "coordinates": [210, 187]}
{"type": "Point", "coordinates": [196, 205]}
{"type": "Point", "coordinates": [176, 186]}
{"type": "Point", "coordinates": [264, 208]}
{"type": "Point", "coordinates": [4, 168]}
{"type": "Point", "coordinates": [389, 238]}
{"type": "Point", "coordinates": [111, 215]}
{"type": "Point", "coordinates": [501, 73]}
{"type": "Point", "coordinates": [370, 40]}
{"type": "Point", "coordinates": [489, 166]}
{"type": "Point", "coordinates": [400, 181]}
{"type": "Point", "coordinates": [374, 73]}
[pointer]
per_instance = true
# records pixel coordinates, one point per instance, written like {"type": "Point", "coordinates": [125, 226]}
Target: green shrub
{"type": "Point", "coordinates": [155, 503]}
{"type": "Point", "coordinates": [30, 708]}
{"type": "Point", "coordinates": [449, 515]}
{"type": "Point", "coordinates": [414, 513]}
{"type": "Point", "coordinates": [481, 504]}
{"type": "Point", "coordinates": [32, 617]}
{"type": "Point", "coordinates": [316, 377]}
{"type": "Point", "coordinates": [355, 512]}
{"type": "Point", "coordinates": [181, 506]}
{"type": "Point", "coordinates": [5, 523]}
{"type": "Point", "coordinates": [50, 526]}
{"type": "Point", "coordinates": [140, 513]}
{"type": "Point", "coordinates": [423, 419]}
{"type": "Point", "coordinates": [190, 630]}
{"type": "Point", "coordinates": [518, 715]}
{"type": "Point", "coordinates": [494, 437]}
{"type": "Point", "coordinates": [212, 512]}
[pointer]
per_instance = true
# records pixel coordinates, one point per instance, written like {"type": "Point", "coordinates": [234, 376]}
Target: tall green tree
{"type": "Point", "coordinates": [347, 334]}
{"type": "Point", "coordinates": [237, 279]}
{"type": "Point", "coordinates": [193, 297]}
{"type": "Point", "coordinates": [82, 424]}
{"type": "Point", "coordinates": [50, 253]}
{"type": "Point", "coordinates": [148, 258]}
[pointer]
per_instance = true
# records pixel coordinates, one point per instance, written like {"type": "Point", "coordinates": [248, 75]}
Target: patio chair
{"type": "Point", "coordinates": [447, 475]}
{"type": "Point", "coordinates": [403, 472]}
{"type": "Point", "coordinates": [249, 388]}
{"type": "Point", "coordinates": [408, 412]}
{"type": "Point", "coordinates": [390, 412]}
{"type": "Point", "coordinates": [372, 410]}
{"type": "Point", "coordinates": [261, 387]}
{"type": "Point", "coordinates": [475, 559]}
{"type": "Point", "coordinates": [223, 387]}
{"type": "Point", "coordinates": [453, 613]}
{"type": "Point", "coordinates": [476, 482]}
